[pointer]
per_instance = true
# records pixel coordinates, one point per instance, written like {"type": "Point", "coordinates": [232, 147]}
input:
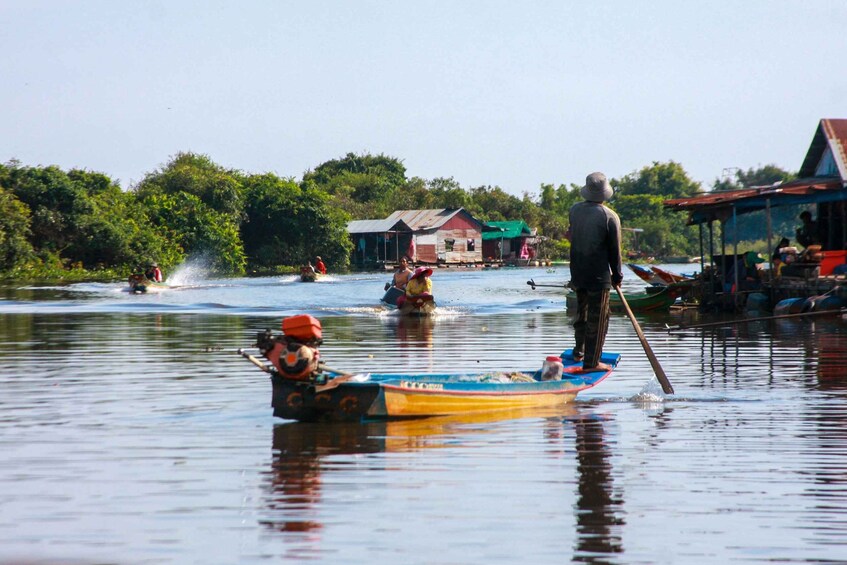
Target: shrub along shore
{"type": "Point", "coordinates": [79, 225]}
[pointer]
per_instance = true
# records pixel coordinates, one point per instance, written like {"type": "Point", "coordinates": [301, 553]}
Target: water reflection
{"type": "Point", "coordinates": [413, 332]}
{"type": "Point", "coordinates": [306, 457]}
{"type": "Point", "coordinates": [598, 507]}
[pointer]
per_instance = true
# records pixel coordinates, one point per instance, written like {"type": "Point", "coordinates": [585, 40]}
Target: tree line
{"type": "Point", "coordinates": [53, 222]}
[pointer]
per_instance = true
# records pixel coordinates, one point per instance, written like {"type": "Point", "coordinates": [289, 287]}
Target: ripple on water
{"type": "Point", "coordinates": [129, 427]}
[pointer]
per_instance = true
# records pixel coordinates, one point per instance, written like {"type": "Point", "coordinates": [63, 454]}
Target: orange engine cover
{"type": "Point", "coordinates": [303, 328]}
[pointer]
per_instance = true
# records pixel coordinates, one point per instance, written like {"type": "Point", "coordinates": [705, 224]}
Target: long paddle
{"type": "Point", "coordinates": [838, 312]}
{"type": "Point", "coordinates": [657, 367]}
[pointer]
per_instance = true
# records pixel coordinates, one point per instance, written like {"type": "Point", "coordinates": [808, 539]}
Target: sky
{"type": "Point", "coordinates": [513, 94]}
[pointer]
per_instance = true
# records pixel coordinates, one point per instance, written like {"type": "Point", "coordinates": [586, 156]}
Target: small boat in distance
{"type": "Point", "coordinates": [421, 305]}
{"type": "Point", "coordinates": [139, 284]}
{"type": "Point", "coordinates": [309, 275]}
{"type": "Point", "coordinates": [305, 389]}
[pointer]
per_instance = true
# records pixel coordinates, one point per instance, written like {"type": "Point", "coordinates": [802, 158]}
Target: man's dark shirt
{"type": "Point", "coordinates": [595, 246]}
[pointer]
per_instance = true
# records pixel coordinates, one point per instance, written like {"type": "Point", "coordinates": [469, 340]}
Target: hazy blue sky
{"type": "Point", "coordinates": [514, 93]}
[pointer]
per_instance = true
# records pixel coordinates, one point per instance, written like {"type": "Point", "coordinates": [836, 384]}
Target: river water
{"type": "Point", "coordinates": [131, 432]}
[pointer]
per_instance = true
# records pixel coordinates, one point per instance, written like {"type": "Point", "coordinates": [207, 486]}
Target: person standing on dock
{"type": "Point", "coordinates": [596, 267]}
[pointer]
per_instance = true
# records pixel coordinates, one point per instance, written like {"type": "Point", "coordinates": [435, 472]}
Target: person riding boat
{"type": "Point", "coordinates": [319, 265]}
{"type": "Point", "coordinates": [401, 277]}
{"type": "Point", "coordinates": [419, 285]}
{"type": "Point", "coordinates": [153, 272]}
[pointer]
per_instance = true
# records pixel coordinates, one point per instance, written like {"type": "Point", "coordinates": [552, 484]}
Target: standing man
{"type": "Point", "coordinates": [595, 234]}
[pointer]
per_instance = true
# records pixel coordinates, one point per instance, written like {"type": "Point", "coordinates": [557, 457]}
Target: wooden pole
{"type": "Point", "coordinates": [253, 360]}
{"type": "Point", "coordinates": [654, 362]}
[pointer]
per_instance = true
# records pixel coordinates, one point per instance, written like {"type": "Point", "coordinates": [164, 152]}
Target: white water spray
{"type": "Point", "coordinates": [192, 271]}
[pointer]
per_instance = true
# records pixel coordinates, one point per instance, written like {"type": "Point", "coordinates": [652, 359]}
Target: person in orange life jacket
{"type": "Point", "coordinates": [596, 267]}
{"type": "Point", "coordinates": [153, 272]}
{"type": "Point", "coordinates": [419, 284]}
{"type": "Point", "coordinates": [319, 265]}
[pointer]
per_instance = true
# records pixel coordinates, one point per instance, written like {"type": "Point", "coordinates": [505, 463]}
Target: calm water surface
{"type": "Point", "coordinates": [131, 432]}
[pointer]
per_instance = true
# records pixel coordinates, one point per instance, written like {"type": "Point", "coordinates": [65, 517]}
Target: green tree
{"type": "Point", "coordinates": [668, 180]}
{"type": "Point", "coordinates": [198, 229]}
{"type": "Point", "coordinates": [363, 185]}
{"type": "Point", "coordinates": [288, 224]}
{"type": "Point", "coordinates": [447, 193]}
{"type": "Point", "coordinates": [190, 173]}
{"type": "Point", "coordinates": [15, 248]}
{"type": "Point", "coordinates": [664, 233]}
{"type": "Point", "coordinates": [83, 217]}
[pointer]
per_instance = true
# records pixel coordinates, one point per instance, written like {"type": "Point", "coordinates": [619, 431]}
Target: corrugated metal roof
{"type": "Point", "coordinates": [427, 219]}
{"type": "Point", "coordinates": [830, 134]}
{"type": "Point", "coordinates": [377, 226]}
{"type": "Point", "coordinates": [717, 205]}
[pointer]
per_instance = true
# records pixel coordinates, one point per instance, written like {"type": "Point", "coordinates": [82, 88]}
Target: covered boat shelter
{"type": "Point", "coordinates": [379, 241]}
{"type": "Point", "coordinates": [822, 183]}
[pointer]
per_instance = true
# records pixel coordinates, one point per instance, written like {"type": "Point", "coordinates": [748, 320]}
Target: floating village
{"type": "Point", "coordinates": [795, 275]}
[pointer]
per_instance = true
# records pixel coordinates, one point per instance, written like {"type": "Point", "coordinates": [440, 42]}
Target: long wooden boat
{"type": "Point", "coordinates": [668, 277]}
{"type": "Point", "coordinates": [646, 275]}
{"type": "Point", "coordinates": [305, 389]}
{"type": "Point", "coordinates": [419, 306]}
{"type": "Point", "coordinates": [654, 299]}
{"type": "Point", "coordinates": [398, 395]}
{"type": "Point", "coordinates": [392, 293]}
{"type": "Point", "coordinates": [422, 305]}
{"type": "Point", "coordinates": [139, 284]}
{"type": "Point", "coordinates": [308, 276]}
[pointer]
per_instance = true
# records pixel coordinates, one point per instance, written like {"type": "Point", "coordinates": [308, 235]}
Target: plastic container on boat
{"type": "Point", "coordinates": [552, 369]}
{"type": "Point", "coordinates": [831, 259]}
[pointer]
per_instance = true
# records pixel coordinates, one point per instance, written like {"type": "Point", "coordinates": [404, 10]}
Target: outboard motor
{"type": "Point", "coordinates": [295, 354]}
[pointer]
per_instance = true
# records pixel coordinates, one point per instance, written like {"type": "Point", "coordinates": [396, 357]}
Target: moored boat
{"type": "Point", "coordinates": [306, 390]}
{"type": "Point", "coordinates": [668, 277]}
{"type": "Point", "coordinates": [646, 275]}
{"type": "Point", "coordinates": [654, 299]}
